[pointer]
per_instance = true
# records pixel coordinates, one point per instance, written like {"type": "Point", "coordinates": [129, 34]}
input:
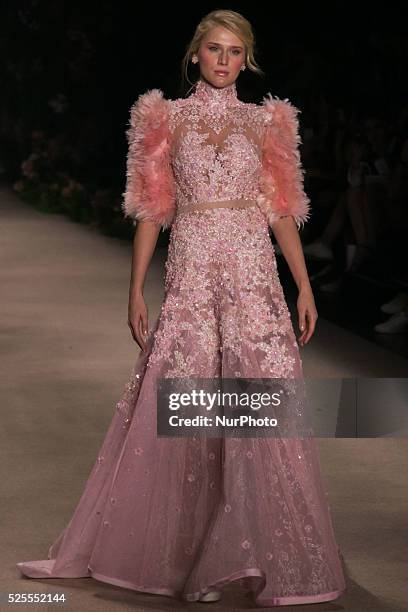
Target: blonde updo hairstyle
{"type": "Point", "coordinates": [232, 21]}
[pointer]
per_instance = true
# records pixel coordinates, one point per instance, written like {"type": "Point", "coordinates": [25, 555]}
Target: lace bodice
{"type": "Point", "coordinates": [213, 148]}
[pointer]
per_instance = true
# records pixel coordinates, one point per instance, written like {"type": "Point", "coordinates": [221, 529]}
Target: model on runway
{"type": "Point", "coordinates": [184, 516]}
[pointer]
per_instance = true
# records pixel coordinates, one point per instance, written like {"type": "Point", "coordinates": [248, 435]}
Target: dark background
{"type": "Point", "coordinates": [101, 55]}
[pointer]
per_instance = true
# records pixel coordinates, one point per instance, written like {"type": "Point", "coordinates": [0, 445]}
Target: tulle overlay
{"type": "Point", "coordinates": [179, 516]}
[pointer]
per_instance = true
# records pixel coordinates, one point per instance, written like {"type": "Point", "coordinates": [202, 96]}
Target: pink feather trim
{"type": "Point", "coordinates": [150, 189]}
{"type": "Point", "coordinates": [282, 174]}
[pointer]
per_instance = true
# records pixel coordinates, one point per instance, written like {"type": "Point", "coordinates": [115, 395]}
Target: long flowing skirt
{"type": "Point", "coordinates": [180, 516]}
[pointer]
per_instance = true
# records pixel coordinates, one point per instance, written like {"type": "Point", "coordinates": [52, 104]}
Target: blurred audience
{"type": "Point", "coordinates": [360, 204]}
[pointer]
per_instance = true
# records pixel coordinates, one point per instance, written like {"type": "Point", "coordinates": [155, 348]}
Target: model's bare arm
{"type": "Point", "coordinates": [287, 235]}
{"type": "Point", "coordinates": [144, 243]}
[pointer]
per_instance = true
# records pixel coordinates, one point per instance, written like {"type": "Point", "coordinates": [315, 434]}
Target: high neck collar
{"type": "Point", "coordinates": [215, 96]}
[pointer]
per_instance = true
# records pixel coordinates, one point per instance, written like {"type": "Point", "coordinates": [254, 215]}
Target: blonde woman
{"type": "Point", "coordinates": [184, 516]}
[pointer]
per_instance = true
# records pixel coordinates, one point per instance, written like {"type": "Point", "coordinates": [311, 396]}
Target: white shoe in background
{"type": "Point", "coordinates": [211, 596]}
{"type": "Point", "coordinates": [396, 304]}
{"type": "Point", "coordinates": [396, 324]}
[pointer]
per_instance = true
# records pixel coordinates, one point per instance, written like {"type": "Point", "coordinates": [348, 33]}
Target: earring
{"type": "Point", "coordinates": [243, 67]}
{"type": "Point", "coordinates": [194, 59]}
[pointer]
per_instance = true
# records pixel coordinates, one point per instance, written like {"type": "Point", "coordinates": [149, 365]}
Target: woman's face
{"type": "Point", "coordinates": [221, 55]}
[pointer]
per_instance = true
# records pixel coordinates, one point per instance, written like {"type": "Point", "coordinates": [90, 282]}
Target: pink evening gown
{"type": "Point", "coordinates": [182, 516]}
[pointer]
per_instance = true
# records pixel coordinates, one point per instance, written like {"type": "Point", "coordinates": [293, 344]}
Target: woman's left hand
{"type": "Point", "coordinates": [307, 314]}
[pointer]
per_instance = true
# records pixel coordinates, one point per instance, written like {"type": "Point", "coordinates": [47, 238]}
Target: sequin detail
{"type": "Point", "coordinates": [224, 301]}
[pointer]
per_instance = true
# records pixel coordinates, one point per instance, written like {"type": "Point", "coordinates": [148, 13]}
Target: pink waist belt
{"type": "Point", "coordinates": [218, 204]}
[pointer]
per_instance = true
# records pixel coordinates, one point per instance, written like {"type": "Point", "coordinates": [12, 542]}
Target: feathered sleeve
{"type": "Point", "coordinates": [150, 190]}
{"type": "Point", "coordinates": [281, 181]}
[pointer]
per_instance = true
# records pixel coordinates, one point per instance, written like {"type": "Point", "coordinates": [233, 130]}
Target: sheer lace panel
{"type": "Point", "coordinates": [216, 151]}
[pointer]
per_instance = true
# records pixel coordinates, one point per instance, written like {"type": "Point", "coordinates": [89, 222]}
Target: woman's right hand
{"type": "Point", "coordinates": [138, 319]}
